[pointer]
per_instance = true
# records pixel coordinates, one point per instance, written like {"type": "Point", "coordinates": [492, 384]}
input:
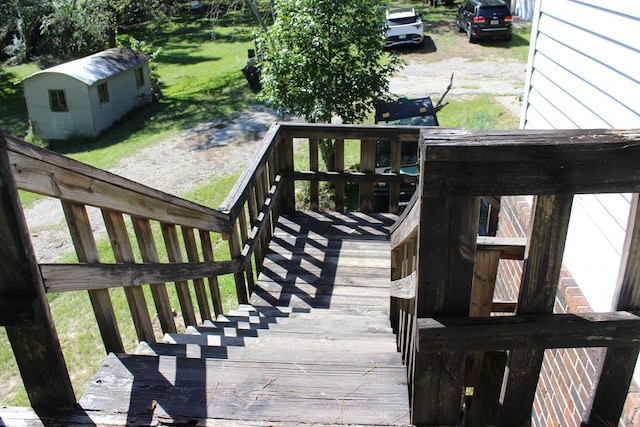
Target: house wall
{"type": "Point", "coordinates": [124, 96]}
{"type": "Point", "coordinates": [582, 73]}
{"type": "Point", "coordinates": [49, 124]}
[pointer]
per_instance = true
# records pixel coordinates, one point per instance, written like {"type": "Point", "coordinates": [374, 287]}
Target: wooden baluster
{"type": "Point", "coordinates": [273, 172]}
{"type": "Point", "coordinates": [541, 272]}
{"type": "Point", "coordinates": [619, 363]}
{"type": "Point", "coordinates": [338, 154]}
{"type": "Point", "coordinates": [87, 251]}
{"type": "Point", "coordinates": [394, 187]}
{"type": "Point", "coordinates": [367, 166]}
{"type": "Point", "coordinates": [35, 345]}
{"type": "Point", "coordinates": [123, 253]}
{"type": "Point", "coordinates": [263, 189]}
{"type": "Point", "coordinates": [239, 278]}
{"type": "Point", "coordinates": [198, 283]}
{"type": "Point", "coordinates": [313, 167]}
{"type": "Point", "coordinates": [214, 289]}
{"type": "Point", "coordinates": [244, 237]}
{"type": "Point", "coordinates": [149, 253]}
{"type": "Point", "coordinates": [258, 255]}
{"type": "Point", "coordinates": [174, 253]}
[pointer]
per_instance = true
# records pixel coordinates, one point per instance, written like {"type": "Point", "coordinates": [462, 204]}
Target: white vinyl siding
{"type": "Point", "coordinates": [584, 73]}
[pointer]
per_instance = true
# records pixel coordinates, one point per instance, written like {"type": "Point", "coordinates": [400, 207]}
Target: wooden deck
{"type": "Point", "coordinates": [314, 347]}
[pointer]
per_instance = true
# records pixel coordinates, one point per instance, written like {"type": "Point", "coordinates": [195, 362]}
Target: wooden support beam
{"type": "Point", "coordinates": [541, 272]}
{"type": "Point", "coordinates": [36, 347]}
{"type": "Point", "coordinates": [531, 162]}
{"type": "Point", "coordinates": [446, 259]}
{"type": "Point", "coordinates": [619, 363]}
{"type": "Point", "coordinates": [529, 331]}
{"type": "Point", "coordinates": [286, 201]}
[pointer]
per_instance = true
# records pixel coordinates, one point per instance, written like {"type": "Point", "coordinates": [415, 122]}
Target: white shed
{"type": "Point", "coordinates": [86, 96]}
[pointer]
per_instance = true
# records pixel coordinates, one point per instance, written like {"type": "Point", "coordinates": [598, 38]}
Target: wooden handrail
{"type": "Point", "coordinates": [45, 172]}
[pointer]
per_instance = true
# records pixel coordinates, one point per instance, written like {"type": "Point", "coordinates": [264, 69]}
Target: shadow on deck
{"type": "Point", "coordinates": [314, 347]}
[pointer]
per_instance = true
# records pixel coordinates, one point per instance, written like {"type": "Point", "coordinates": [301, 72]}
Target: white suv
{"type": "Point", "coordinates": [404, 26]}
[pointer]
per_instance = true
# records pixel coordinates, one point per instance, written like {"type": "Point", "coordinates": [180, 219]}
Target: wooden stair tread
{"type": "Point", "coordinates": [314, 346]}
{"type": "Point", "coordinates": [353, 392]}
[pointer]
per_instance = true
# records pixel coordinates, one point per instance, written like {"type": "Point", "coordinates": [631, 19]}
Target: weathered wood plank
{"type": "Point", "coordinates": [174, 254]}
{"type": "Point", "coordinates": [286, 200]}
{"type": "Point", "coordinates": [36, 348]}
{"type": "Point", "coordinates": [619, 363]}
{"type": "Point", "coordinates": [362, 177]}
{"type": "Point", "coordinates": [87, 252]}
{"type": "Point", "coordinates": [123, 253]}
{"type": "Point", "coordinates": [464, 162]}
{"type": "Point", "coordinates": [358, 132]}
{"type": "Point", "coordinates": [247, 181]}
{"type": "Point", "coordinates": [74, 277]}
{"type": "Point", "coordinates": [214, 288]}
{"type": "Point", "coordinates": [189, 236]}
{"type": "Point", "coordinates": [149, 254]}
{"type": "Point", "coordinates": [446, 259]}
{"type": "Point", "coordinates": [239, 277]}
{"type": "Point", "coordinates": [304, 392]}
{"type": "Point", "coordinates": [541, 272]}
{"type": "Point", "coordinates": [51, 174]}
{"type": "Point", "coordinates": [530, 331]}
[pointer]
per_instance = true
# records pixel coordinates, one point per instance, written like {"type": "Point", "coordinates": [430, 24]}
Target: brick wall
{"type": "Point", "coordinates": [568, 375]}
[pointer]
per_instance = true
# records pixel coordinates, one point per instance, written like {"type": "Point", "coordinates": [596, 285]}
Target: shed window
{"type": "Point", "coordinates": [139, 77]}
{"type": "Point", "coordinates": [103, 93]}
{"type": "Point", "coordinates": [57, 100]}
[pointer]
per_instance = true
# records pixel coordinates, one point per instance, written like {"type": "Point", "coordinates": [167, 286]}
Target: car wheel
{"type": "Point", "coordinates": [509, 37]}
{"type": "Point", "coordinates": [470, 36]}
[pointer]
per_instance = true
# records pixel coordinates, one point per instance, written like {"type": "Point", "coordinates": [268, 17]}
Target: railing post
{"type": "Point", "coordinates": [367, 165]}
{"type": "Point", "coordinates": [286, 200]}
{"type": "Point", "coordinates": [35, 345]}
{"type": "Point", "coordinates": [541, 272]}
{"type": "Point", "coordinates": [446, 258]}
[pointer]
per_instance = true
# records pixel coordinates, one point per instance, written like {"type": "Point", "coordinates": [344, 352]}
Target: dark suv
{"type": "Point", "coordinates": [485, 19]}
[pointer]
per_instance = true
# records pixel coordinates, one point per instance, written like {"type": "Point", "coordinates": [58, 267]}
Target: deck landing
{"type": "Point", "coordinates": [314, 347]}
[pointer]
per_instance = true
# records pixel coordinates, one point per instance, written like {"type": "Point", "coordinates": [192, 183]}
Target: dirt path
{"type": "Point", "coordinates": [194, 157]}
{"type": "Point", "coordinates": [175, 166]}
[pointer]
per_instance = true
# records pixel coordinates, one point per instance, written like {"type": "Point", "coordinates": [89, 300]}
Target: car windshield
{"type": "Point", "coordinates": [403, 20]}
{"type": "Point", "coordinates": [494, 10]}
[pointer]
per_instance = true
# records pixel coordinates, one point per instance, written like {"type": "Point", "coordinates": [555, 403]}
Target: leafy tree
{"type": "Point", "coordinates": [325, 58]}
{"type": "Point", "coordinates": [20, 27]}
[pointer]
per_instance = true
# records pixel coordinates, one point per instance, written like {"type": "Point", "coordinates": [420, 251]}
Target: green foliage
{"type": "Point", "coordinates": [77, 28]}
{"type": "Point", "coordinates": [324, 58]}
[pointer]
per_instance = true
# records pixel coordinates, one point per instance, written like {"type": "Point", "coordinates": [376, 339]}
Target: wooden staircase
{"type": "Point", "coordinates": [314, 346]}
